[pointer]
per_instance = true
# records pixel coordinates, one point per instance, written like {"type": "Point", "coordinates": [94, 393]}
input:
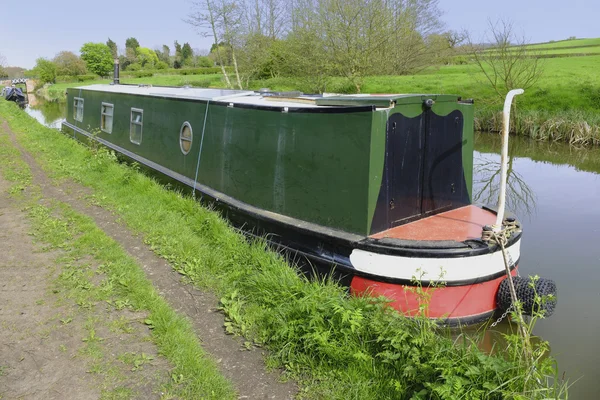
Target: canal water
{"type": "Point", "coordinates": [555, 192]}
{"type": "Point", "coordinates": [49, 113]}
{"type": "Point", "coordinates": [554, 189]}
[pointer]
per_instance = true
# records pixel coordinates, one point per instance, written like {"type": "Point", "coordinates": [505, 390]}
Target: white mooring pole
{"type": "Point", "coordinates": [504, 157]}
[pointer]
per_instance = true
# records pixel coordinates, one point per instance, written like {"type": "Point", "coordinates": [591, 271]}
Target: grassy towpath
{"type": "Point", "coordinates": [88, 311]}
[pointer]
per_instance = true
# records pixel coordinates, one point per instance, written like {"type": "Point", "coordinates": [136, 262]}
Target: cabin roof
{"type": "Point", "coordinates": [256, 98]}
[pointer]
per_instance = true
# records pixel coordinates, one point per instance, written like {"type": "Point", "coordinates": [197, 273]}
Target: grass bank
{"type": "Point", "coordinates": [337, 346]}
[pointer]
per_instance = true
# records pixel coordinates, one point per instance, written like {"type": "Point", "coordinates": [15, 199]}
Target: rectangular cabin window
{"type": "Point", "coordinates": [135, 127]}
{"type": "Point", "coordinates": [78, 109]}
{"type": "Point", "coordinates": [106, 117]}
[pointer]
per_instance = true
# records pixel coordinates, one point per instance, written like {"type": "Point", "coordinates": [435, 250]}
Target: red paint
{"type": "Point", "coordinates": [459, 224]}
{"type": "Point", "coordinates": [445, 302]}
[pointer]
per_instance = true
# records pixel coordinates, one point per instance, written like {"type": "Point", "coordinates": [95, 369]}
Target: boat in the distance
{"type": "Point", "coordinates": [15, 92]}
{"type": "Point", "coordinates": [375, 189]}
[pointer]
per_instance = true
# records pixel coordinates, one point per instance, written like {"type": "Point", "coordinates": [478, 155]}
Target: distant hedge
{"type": "Point", "coordinates": [173, 71]}
{"type": "Point", "coordinates": [78, 78]}
{"type": "Point", "coordinates": [137, 74]}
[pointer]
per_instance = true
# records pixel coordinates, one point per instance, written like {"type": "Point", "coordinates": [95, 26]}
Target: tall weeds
{"type": "Point", "coordinates": [574, 127]}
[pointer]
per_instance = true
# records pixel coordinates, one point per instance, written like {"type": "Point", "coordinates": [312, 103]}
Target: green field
{"type": "Point", "coordinates": [566, 44]}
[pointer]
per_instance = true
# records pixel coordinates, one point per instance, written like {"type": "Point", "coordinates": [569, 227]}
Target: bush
{"type": "Point", "coordinates": [143, 74]}
{"type": "Point", "coordinates": [342, 87]}
{"type": "Point", "coordinates": [134, 67]}
{"type": "Point", "coordinates": [203, 83]}
{"type": "Point", "coordinates": [201, 71]}
{"type": "Point", "coordinates": [161, 65]}
{"type": "Point", "coordinates": [78, 78]}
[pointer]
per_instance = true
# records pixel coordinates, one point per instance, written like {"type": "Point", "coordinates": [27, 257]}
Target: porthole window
{"type": "Point", "coordinates": [185, 137]}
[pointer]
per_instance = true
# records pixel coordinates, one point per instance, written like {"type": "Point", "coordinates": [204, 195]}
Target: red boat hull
{"type": "Point", "coordinates": [451, 304]}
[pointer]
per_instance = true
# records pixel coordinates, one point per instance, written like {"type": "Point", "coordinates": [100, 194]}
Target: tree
{"type": "Point", "coordinates": [267, 18]}
{"type": "Point", "coordinates": [113, 48]}
{"type": "Point", "coordinates": [3, 72]}
{"type": "Point", "coordinates": [14, 72]}
{"type": "Point", "coordinates": [177, 63]}
{"type": "Point", "coordinates": [67, 63]}
{"type": "Point", "coordinates": [508, 64]}
{"type": "Point", "coordinates": [132, 43]}
{"type": "Point", "coordinates": [164, 55]}
{"type": "Point", "coordinates": [146, 57]}
{"type": "Point", "coordinates": [373, 37]}
{"type": "Point", "coordinates": [186, 54]}
{"type": "Point", "coordinates": [98, 58]}
{"type": "Point", "coordinates": [223, 19]}
{"type": "Point", "coordinates": [353, 38]}
{"type": "Point", "coordinates": [45, 70]}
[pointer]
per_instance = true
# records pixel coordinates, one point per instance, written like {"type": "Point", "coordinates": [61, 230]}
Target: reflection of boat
{"type": "Point", "coordinates": [377, 186]}
{"type": "Point", "coordinates": [16, 93]}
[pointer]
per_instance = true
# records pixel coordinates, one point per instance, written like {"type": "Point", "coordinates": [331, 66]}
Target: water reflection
{"type": "Point", "coordinates": [49, 113]}
{"type": "Point", "coordinates": [520, 198]}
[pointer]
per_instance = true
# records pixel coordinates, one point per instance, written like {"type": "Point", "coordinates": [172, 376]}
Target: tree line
{"type": "Point", "coordinates": [318, 39]}
{"type": "Point", "coordinates": [98, 59]}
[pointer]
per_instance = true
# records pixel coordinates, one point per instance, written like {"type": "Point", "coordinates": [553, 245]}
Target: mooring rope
{"type": "Point", "coordinates": [200, 151]}
{"type": "Point", "coordinates": [488, 235]}
{"type": "Point", "coordinates": [509, 225]}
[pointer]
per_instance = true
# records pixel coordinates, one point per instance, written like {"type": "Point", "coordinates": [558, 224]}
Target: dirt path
{"type": "Point", "coordinates": [245, 369]}
{"type": "Point", "coordinates": [32, 364]}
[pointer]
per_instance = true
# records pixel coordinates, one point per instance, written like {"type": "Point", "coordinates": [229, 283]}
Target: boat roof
{"type": "Point", "coordinates": [292, 99]}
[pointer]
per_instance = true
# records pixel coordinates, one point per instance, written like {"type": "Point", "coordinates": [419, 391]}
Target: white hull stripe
{"type": "Point", "coordinates": [433, 269]}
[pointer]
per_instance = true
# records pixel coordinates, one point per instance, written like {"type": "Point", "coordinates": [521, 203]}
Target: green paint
{"type": "Point", "coordinates": [310, 166]}
{"type": "Point", "coordinates": [324, 168]}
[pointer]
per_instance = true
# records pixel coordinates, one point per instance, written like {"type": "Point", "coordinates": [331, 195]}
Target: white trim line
{"type": "Point", "coordinates": [454, 269]}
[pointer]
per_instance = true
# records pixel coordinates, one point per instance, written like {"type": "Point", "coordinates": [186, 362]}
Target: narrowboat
{"type": "Point", "coordinates": [16, 93]}
{"type": "Point", "coordinates": [374, 189]}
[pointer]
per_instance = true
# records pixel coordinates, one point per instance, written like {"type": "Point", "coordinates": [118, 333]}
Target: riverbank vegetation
{"type": "Point", "coordinates": [338, 346]}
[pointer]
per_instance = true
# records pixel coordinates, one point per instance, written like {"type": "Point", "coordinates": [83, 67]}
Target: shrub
{"type": "Point", "coordinates": [134, 67]}
{"type": "Point", "coordinates": [143, 74]}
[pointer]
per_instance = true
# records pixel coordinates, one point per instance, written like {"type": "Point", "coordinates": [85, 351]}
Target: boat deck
{"type": "Point", "coordinates": [459, 225]}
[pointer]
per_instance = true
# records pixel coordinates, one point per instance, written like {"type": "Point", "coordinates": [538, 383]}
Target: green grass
{"type": "Point", "coordinates": [571, 50]}
{"type": "Point", "coordinates": [338, 347]}
{"type": "Point", "coordinates": [566, 43]}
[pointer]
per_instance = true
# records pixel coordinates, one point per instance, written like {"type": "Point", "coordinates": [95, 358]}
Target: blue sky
{"type": "Point", "coordinates": [42, 28]}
